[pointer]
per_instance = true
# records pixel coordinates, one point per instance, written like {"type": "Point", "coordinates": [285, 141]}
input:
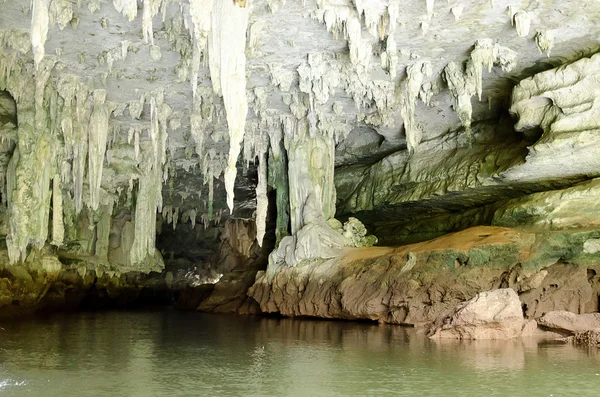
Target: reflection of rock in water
{"type": "Point", "coordinates": [588, 338]}
{"type": "Point", "coordinates": [487, 355]}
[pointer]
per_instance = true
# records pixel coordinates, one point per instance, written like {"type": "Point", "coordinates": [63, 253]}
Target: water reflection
{"type": "Point", "coordinates": [183, 354]}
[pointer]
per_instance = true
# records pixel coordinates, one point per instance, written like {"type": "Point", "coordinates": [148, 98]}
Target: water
{"type": "Point", "coordinates": [167, 353]}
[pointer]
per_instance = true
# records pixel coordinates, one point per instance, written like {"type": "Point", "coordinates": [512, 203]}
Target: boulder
{"type": "Point", "coordinates": [489, 315]}
{"type": "Point", "coordinates": [570, 322]}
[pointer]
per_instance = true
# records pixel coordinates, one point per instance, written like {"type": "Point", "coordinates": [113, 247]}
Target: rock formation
{"type": "Point", "coordinates": [340, 159]}
{"type": "Point", "coordinates": [489, 315]}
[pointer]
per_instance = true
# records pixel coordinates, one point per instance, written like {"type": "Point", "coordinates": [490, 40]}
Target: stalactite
{"type": "Point", "coordinates": [146, 206]}
{"type": "Point", "coordinates": [136, 144]}
{"type": "Point", "coordinates": [61, 12]}
{"type": "Point", "coordinates": [262, 201]}
{"type": "Point", "coordinates": [29, 208]}
{"type": "Point", "coordinates": [200, 13]}
{"type": "Point", "coordinates": [227, 63]}
{"type": "Point", "coordinates": [126, 7]}
{"type": "Point", "coordinates": [457, 11]}
{"type": "Point", "coordinates": [211, 194]}
{"type": "Point", "coordinates": [58, 227]}
{"type": "Point", "coordinates": [467, 82]}
{"type": "Point", "coordinates": [410, 91]}
{"type": "Point", "coordinates": [545, 41]}
{"type": "Point", "coordinates": [80, 150]}
{"type": "Point", "coordinates": [522, 23]}
{"type": "Point", "coordinates": [98, 132]}
{"type": "Point", "coordinates": [193, 215]}
{"type": "Point", "coordinates": [39, 29]}
{"type": "Point", "coordinates": [430, 4]}
{"type": "Point", "coordinates": [147, 29]}
{"type": "Point", "coordinates": [278, 179]}
{"type": "Point", "coordinates": [175, 217]}
{"type": "Point", "coordinates": [103, 230]}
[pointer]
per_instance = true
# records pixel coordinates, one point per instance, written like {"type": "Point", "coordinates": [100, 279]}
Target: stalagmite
{"type": "Point", "coordinates": [39, 29]}
{"type": "Point", "coordinates": [227, 48]}
{"type": "Point", "coordinates": [98, 132]}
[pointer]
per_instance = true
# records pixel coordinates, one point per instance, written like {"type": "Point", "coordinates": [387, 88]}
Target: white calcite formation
{"type": "Point", "coordinates": [127, 109]}
{"type": "Point", "coordinates": [413, 88]}
{"type": "Point", "coordinates": [563, 103]}
{"type": "Point", "coordinates": [98, 133]}
{"type": "Point", "coordinates": [227, 46]}
{"type": "Point", "coordinates": [39, 29]}
{"type": "Point", "coordinates": [466, 81]}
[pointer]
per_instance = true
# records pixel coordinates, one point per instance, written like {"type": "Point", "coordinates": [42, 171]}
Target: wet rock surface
{"type": "Point", "coordinates": [588, 338]}
{"type": "Point", "coordinates": [570, 322]}
{"type": "Point", "coordinates": [421, 283]}
{"type": "Point", "coordinates": [489, 315]}
{"type": "Point", "coordinates": [44, 283]}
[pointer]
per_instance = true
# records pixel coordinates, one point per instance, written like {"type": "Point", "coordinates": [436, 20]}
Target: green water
{"type": "Point", "coordinates": [167, 353]}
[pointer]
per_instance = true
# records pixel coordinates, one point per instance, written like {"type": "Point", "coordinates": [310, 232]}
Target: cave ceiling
{"type": "Point", "coordinates": [358, 83]}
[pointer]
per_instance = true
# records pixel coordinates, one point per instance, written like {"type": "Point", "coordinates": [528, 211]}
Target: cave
{"type": "Point", "coordinates": [424, 172]}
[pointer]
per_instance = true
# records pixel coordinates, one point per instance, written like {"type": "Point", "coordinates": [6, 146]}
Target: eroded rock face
{"type": "Point", "coordinates": [43, 282]}
{"type": "Point", "coordinates": [571, 322]}
{"type": "Point", "coordinates": [421, 283]}
{"type": "Point", "coordinates": [414, 284]}
{"type": "Point", "coordinates": [489, 315]}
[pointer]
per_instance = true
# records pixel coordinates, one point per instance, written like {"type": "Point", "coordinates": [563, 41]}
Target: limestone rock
{"type": "Point", "coordinates": [356, 232]}
{"type": "Point", "coordinates": [570, 322]}
{"type": "Point", "coordinates": [531, 330]}
{"type": "Point", "coordinates": [489, 315]}
{"type": "Point", "coordinates": [414, 284]}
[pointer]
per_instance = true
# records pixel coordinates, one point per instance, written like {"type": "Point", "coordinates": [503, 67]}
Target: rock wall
{"type": "Point", "coordinates": [541, 241]}
{"type": "Point", "coordinates": [420, 283]}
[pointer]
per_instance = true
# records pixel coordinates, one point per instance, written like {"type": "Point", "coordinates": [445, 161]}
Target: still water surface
{"type": "Point", "coordinates": [168, 353]}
